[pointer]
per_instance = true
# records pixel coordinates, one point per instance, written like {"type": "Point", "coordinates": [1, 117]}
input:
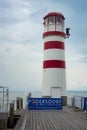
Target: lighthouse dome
{"type": "Point", "coordinates": [54, 14]}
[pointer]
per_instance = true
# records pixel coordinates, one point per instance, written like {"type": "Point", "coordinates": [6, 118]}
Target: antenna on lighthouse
{"type": "Point", "coordinates": [67, 32]}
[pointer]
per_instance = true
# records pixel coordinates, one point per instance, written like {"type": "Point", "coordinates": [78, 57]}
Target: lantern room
{"type": "Point", "coordinates": [54, 21]}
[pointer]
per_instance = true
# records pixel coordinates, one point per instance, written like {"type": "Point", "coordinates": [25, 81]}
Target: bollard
{"type": "Point", "coordinates": [64, 100]}
{"type": "Point", "coordinates": [11, 118]}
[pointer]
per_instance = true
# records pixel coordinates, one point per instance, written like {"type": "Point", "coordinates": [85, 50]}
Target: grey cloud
{"type": "Point", "coordinates": [83, 59]}
{"type": "Point", "coordinates": [21, 22]}
{"type": "Point", "coordinates": [4, 4]}
{"type": "Point", "coordinates": [15, 11]}
{"type": "Point", "coordinates": [7, 49]}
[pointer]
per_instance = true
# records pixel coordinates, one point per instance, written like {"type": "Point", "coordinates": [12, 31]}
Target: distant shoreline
{"type": "Point", "coordinates": [79, 91]}
{"type": "Point", "coordinates": [19, 91]}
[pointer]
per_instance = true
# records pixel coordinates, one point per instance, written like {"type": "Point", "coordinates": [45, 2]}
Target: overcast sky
{"type": "Point", "coordinates": [21, 43]}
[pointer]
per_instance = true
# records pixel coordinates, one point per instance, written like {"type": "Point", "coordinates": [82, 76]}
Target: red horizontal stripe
{"type": "Point", "coordinates": [54, 64]}
{"type": "Point", "coordinates": [54, 45]}
{"type": "Point", "coordinates": [54, 33]}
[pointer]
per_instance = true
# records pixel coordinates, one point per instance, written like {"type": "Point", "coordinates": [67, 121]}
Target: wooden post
{"type": "Point", "coordinates": [64, 100]}
{"type": "Point", "coordinates": [11, 118]}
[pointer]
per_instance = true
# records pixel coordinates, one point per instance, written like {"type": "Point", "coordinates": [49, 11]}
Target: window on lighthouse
{"type": "Point", "coordinates": [51, 19]}
{"type": "Point", "coordinates": [46, 21]}
{"type": "Point", "coordinates": [58, 19]}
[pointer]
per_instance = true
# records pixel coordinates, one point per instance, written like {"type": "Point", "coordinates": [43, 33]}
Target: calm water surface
{"type": "Point", "coordinates": [14, 94]}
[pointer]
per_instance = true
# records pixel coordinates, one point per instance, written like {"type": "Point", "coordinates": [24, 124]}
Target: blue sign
{"type": "Point", "coordinates": [85, 103]}
{"type": "Point", "coordinates": [44, 104]}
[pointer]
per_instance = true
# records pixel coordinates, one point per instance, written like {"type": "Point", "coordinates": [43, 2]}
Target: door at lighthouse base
{"type": "Point", "coordinates": [55, 92]}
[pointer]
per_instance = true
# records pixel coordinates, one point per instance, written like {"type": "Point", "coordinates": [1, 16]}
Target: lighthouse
{"type": "Point", "coordinates": [54, 66]}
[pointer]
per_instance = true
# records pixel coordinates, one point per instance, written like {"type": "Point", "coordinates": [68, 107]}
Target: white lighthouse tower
{"type": "Point", "coordinates": [54, 75]}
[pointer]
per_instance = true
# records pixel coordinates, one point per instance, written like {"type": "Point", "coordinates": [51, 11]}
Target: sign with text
{"type": "Point", "coordinates": [85, 103]}
{"type": "Point", "coordinates": [44, 104]}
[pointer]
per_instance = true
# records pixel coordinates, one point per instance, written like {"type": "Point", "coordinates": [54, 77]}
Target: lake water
{"type": "Point", "coordinates": [23, 94]}
{"type": "Point", "coordinates": [70, 94]}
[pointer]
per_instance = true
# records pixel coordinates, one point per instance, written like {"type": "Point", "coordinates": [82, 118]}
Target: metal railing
{"type": "Point", "coordinates": [4, 99]}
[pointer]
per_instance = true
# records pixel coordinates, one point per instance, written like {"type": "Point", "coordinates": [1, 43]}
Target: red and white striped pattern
{"type": "Point", "coordinates": [54, 50]}
{"type": "Point", "coordinates": [54, 61]}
